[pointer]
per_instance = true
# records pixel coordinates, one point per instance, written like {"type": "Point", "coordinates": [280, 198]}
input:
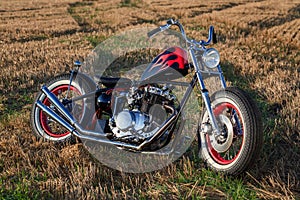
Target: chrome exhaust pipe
{"type": "Point", "coordinates": [72, 125]}
{"type": "Point", "coordinates": [69, 127]}
{"type": "Point", "coordinates": [72, 121]}
{"type": "Point", "coordinates": [54, 116]}
{"type": "Point", "coordinates": [58, 105]}
{"type": "Point", "coordinates": [75, 128]}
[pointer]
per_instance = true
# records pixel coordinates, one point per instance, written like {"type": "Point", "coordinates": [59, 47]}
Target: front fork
{"type": "Point", "coordinates": [211, 115]}
{"type": "Point", "coordinates": [205, 94]}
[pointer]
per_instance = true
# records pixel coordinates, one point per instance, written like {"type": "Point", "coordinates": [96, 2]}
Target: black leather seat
{"type": "Point", "coordinates": [111, 82]}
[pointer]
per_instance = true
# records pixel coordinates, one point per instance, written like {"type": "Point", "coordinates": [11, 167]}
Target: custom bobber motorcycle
{"type": "Point", "coordinates": [138, 125]}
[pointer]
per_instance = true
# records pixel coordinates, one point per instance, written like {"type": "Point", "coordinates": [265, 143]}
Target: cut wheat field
{"type": "Point", "coordinates": [259, 43]}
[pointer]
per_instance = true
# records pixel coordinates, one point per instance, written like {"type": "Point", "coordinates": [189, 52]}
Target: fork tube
{"type": "Point", "coordinates": [223, 82]}
{"type": "Point", "coordinates": [204, 93]}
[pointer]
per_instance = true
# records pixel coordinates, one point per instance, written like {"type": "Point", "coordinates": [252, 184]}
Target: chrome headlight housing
{"type": "Point", "coordinates": [211, 58]}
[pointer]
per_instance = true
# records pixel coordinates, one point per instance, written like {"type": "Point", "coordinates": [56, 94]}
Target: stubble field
{"type": "Point", "coordinates": [259, 43]}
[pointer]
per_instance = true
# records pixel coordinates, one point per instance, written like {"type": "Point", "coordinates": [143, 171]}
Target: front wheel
{"type": "Point", "coordinates": [241, 136]}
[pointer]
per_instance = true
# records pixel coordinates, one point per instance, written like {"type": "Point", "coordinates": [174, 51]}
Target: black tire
{"type": "Point", "coordinates": [240, 119]}
{"type": "Point", "coordinates": [42, 125]}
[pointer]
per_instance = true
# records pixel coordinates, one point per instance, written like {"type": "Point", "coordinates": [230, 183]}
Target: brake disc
{"type": "Point", "coordinates": [223, 142]}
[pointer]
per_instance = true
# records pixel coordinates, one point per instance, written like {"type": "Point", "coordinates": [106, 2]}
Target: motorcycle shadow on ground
{"type": "Point", "coordinates": [278, 153]}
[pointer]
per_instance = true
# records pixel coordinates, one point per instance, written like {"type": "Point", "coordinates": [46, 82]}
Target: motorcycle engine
{"type": "Point", "coordinates": [138, 114]}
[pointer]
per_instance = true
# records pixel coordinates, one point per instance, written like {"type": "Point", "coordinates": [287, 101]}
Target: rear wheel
{"type": "Point", "coordinates": [45, 127]}
{"type": "Point", "coordinates": [241, 140]}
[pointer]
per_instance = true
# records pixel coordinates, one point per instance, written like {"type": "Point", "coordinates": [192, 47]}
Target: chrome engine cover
{"type": "Point", "coordinates": [143, 114]}
{"type": "Point", "coordinates": [127, 120]}
{"type": "Point", "coordinates": [131, 123]}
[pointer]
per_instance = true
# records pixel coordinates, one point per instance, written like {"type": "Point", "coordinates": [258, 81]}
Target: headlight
{"type": "Point", "coordinates": [211, 58]}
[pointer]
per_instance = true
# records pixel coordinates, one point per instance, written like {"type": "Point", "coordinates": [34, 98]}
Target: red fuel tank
{"type": "Point", "coordinates": [168, 65]}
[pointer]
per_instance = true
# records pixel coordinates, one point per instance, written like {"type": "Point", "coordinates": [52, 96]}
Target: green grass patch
{"type": "Point", "coordinates": [11, 106]}
{"type": "Point", "coordinates": [20, 189]}
{"type": "Point", "coordinates": [232, 188]}
{"type": "Point", "coordinates": [95, 40]}
{"type": "Point", "coordinates": [130, 3]}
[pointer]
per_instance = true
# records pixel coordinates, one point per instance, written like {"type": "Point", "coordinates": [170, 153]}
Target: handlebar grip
{"type": "Point", "coordinates": [154, 32]}
{"type": "Point", "coordinates": [214, 39]}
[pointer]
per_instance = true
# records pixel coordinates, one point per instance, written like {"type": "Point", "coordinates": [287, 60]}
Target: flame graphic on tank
{"type": "Point", "coordinates": [173, 57]}
{"type": "Point", "coordinates": [166, 63]}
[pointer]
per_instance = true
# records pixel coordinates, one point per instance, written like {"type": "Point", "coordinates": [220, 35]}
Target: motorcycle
{"type": "Point", "coordinates": [133, 124]}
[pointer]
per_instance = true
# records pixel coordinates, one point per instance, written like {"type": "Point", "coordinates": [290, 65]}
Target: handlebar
{"type": "Point", "coordinates": [152, 33]}
{"type": "Point", "coordinates": [170, 22]}
{"type": "Point", "coordinates": [211, 37]}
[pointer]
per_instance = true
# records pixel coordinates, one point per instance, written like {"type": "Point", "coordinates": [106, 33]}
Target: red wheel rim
{"type": "Point", "coordinates": [223, 158]}
{"type": "Point", "coordinates": [43, 116]}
